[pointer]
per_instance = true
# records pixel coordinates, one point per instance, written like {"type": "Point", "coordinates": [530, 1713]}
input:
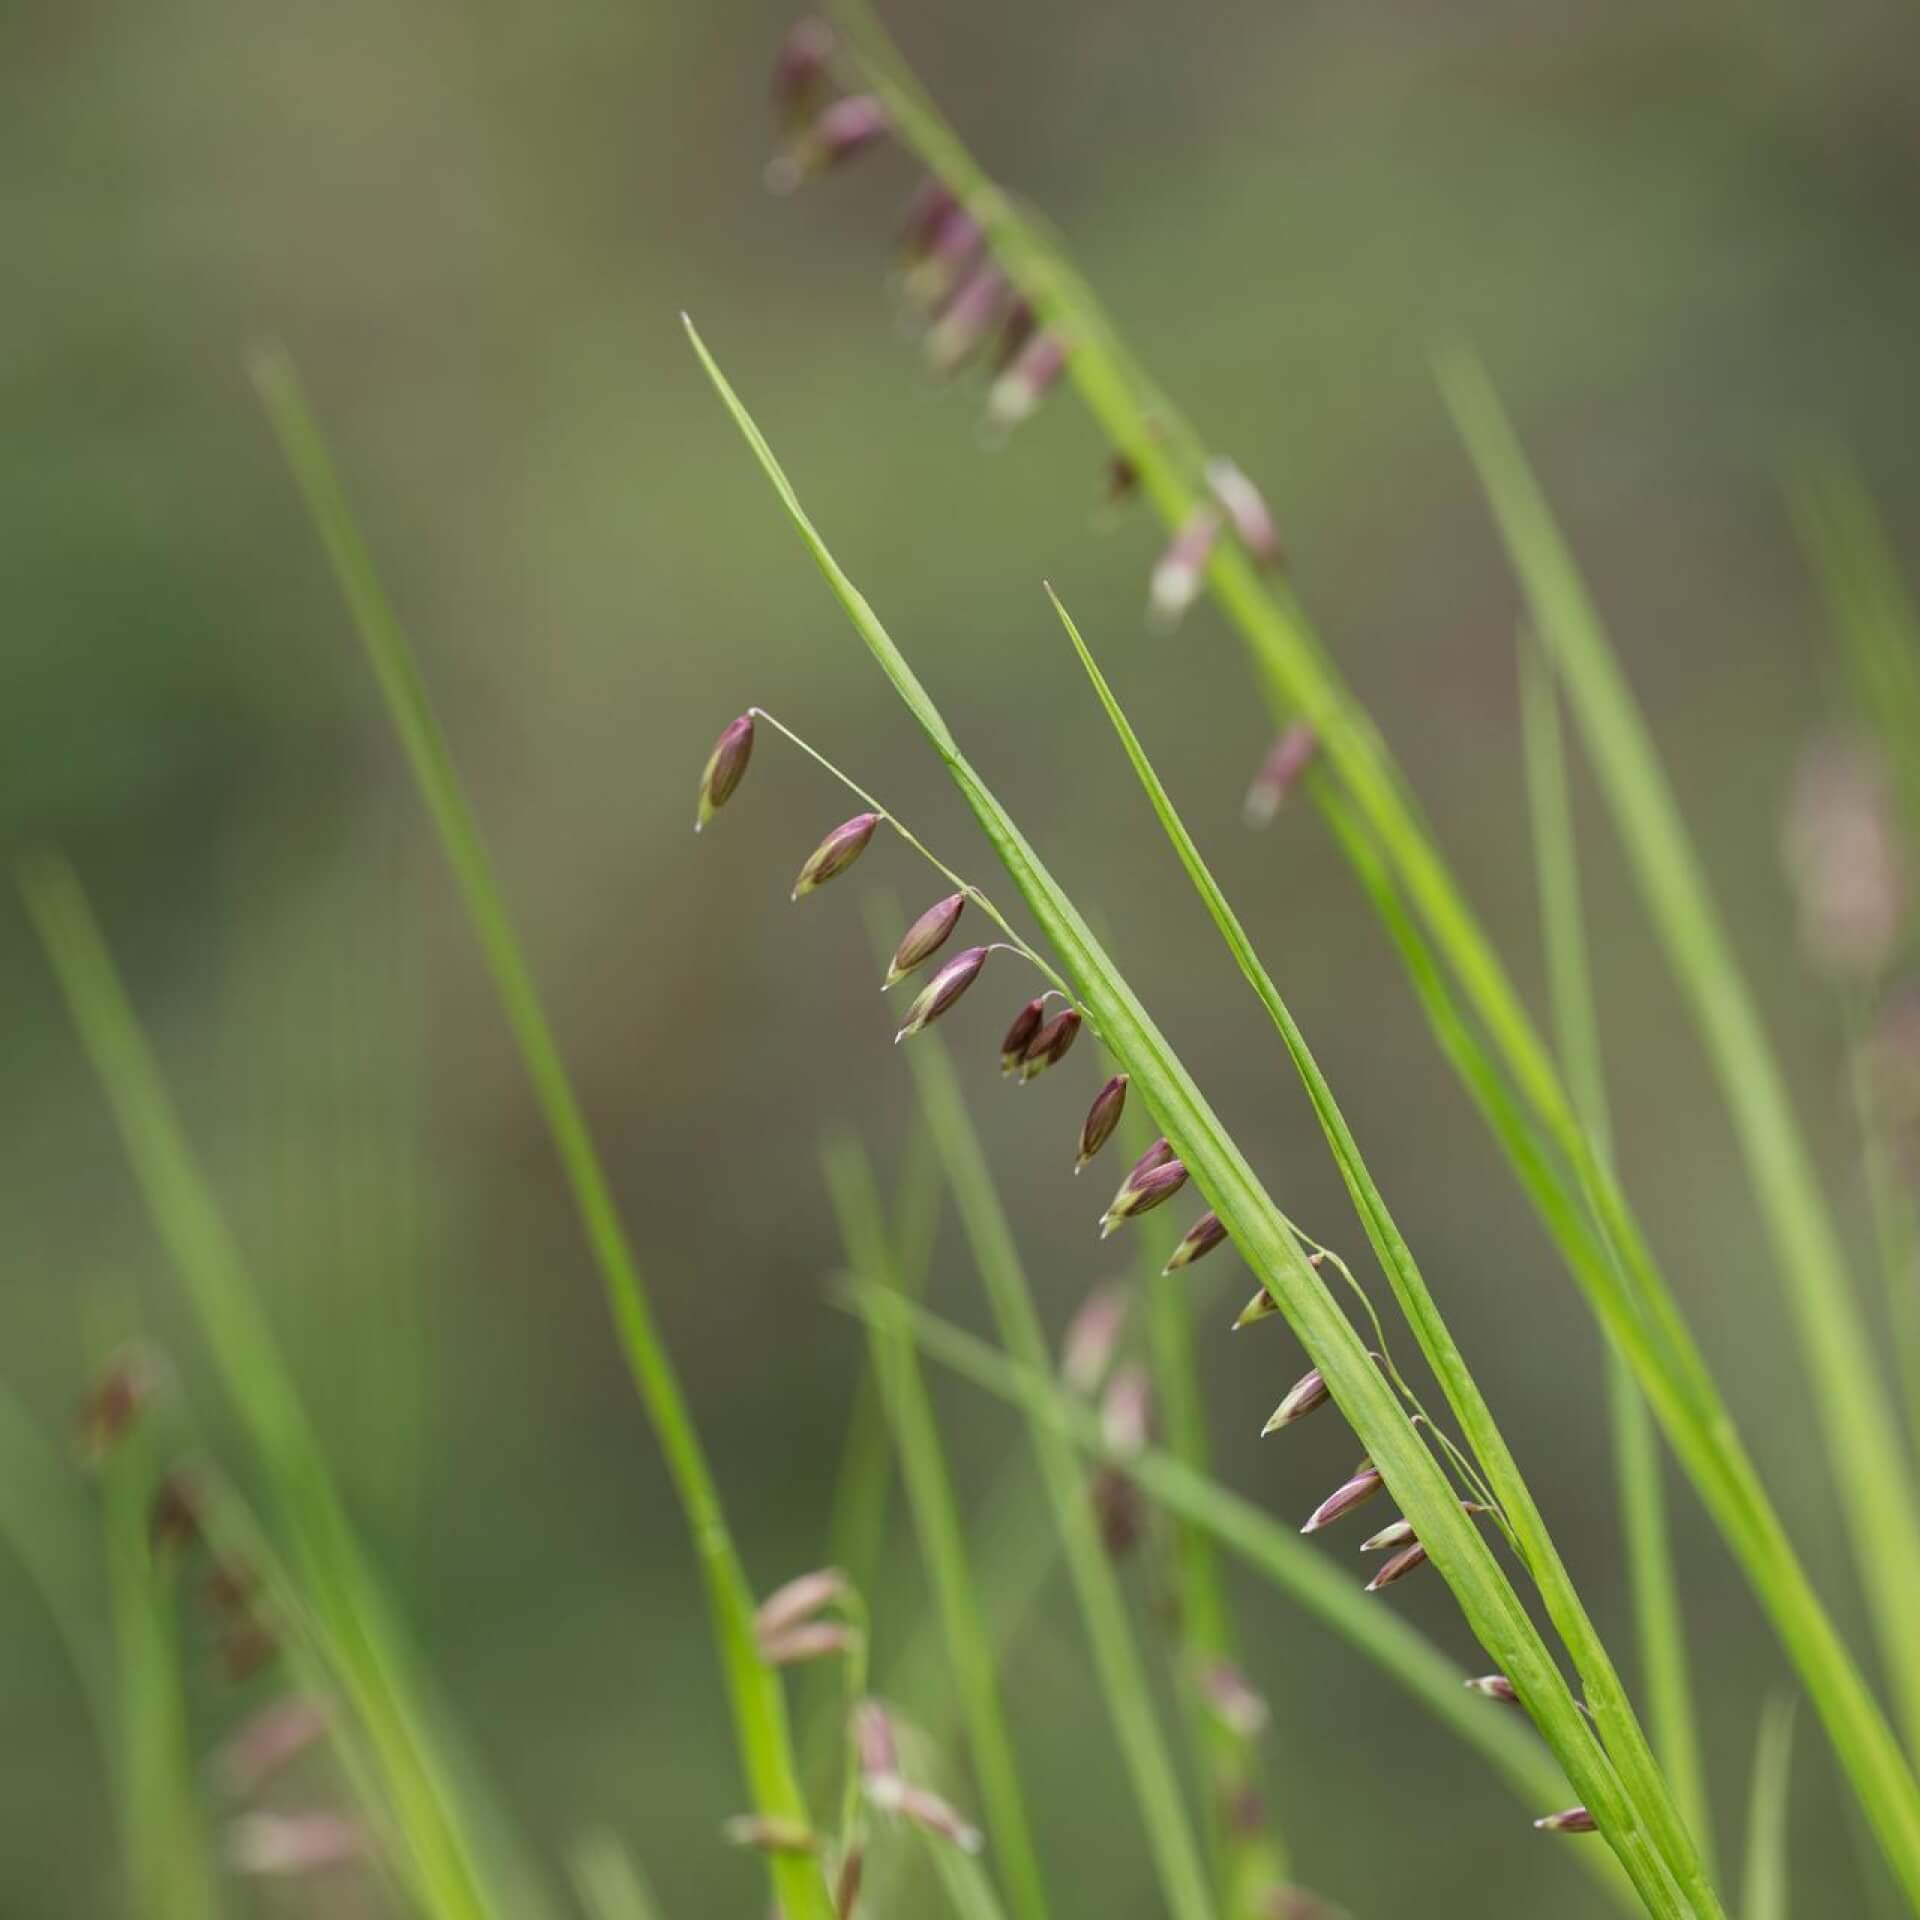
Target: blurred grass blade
{"type": "Point", "coordinates": [1266, 1241]}
{"type": "Point", "coordinates": [759, 1705]}
{"type": "Point", "coordinates": [371, 1668]}
{"type": "Point", "coordinates": [964, 1881]}
{"type": "Point", "coordinates": [1865, 1451]}
{"type": "Point", "coordinates": [608, 1880]}
{"type": "Point", "coordinates": [1658, 1618]}
{"type": "Point", "coordinates": [1247, 1838]}
{"type": "Point", "coordinates": [1605, 1695]}
{"type": "Point", "coordinates": [1373, 815]}
{"type": "Point", "coordinates": [1319, 1586]}
{"type": "Point", "coordinates": [169, 1871]}
{"type": "Point", "coordinates": [1764, 1891]}
{"type": "Point", "coordinates": [874, 1259]}
{"type": "Point", "coordinates": [1124, 1686]}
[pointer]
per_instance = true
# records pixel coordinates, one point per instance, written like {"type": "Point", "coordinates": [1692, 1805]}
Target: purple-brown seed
{"type": "Point", "coordinates": [952, 252]}
{"type": "Point", "coordinates": [931, 205]}
{"type": "Point", "coordinates": [1402, 1564]}
{"type": "Point", "coordinates": [1029, 377]}
{"type": "Point", "coordinates": [836, 853]}
{"type": "Point", "coordinates": [1361, 1487]}
{"type": "Point", "coordinates": [726, 766]}
{"type": "Point", "coordinates": [800, 1599]}
{"type": "Point", "coordinates": [809, 1640]}
{"type": "Point", "coordinates": [846, 127]}
{"type": "Point", "coordinates": [1495, 1686]}
{"type": "Point", "coordinates": [1199, 1240]}
{"type": "Point", "coordinates": [800, 72]}
{"type": "Point", "coordinates": [1091, 1339]}
{"type": "Point", "coordinates": [925, 938]}
{"type": "Point", "coordinates": [1142, 1193]}
{"type": "Point", "coordinates": [1231, 1699]}
{"type": "Point", "coordinates": [1178, 576]}
{"type": "Point", "coordinates": [1015, 331]}
{"type": "Point", "coordinates": [1026, 1023]}
{"type": "Point", "coordinates": [1049, 1046]}
{"type": "Point", "coordinates": [1125, 1410]}
{"type": "Point", "coordinates": [1102, 1117]}
{"type": "Point", "coordinates": [1280, 772]}
{"type": "Point", "coordinates": [1573, 1820]}
{"type": "Point", "coordinates": [1246, 509]}
{"type": "Point", "coordinates": [1306, 1393]}
{"type": "Point", "coordinates": [873, 1740]}
{"type": "Point", "coordinates": [967, 321]}
{"type": "Point", "coordinates": [946, 986]}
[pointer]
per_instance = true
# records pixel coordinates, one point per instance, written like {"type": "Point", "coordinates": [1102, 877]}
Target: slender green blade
{"type": "Point", "coordinates": [1650, 1572]}
{"type": "Point", "coordinates": [1764, 1892]}
{"type": "Point", "coordinates": [1267, 1242]}
{"type": "Point", "coordinates": [1376, 821]}
{"type": "Point", "coordinates": [1863, 1439]}
{"type": "Point", "coordinates": [609, 1881]}
{"type": "Point", "coordinates": [1322, 1590]}
{"type": "Point", "coordinates": [941, 1532]}
{"type": "Point", "coordinates": [759, 1705]}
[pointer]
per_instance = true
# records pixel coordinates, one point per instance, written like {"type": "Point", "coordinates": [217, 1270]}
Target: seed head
{"type": "Point", "coordinates": [1125, 1409]}
{"type": "Point", "coordinates": [770, 1833]}
{"type": "Point", "coordinates": [931, 205]}
{"type": "Point", "coordinates": [1261, 1307]}
{"type": "Point", "coordinates": [1102, 1117]}
{"type": "Point", "coordinates": [800, 72]}
{"type": "Point", "coordinates": [1092, 1336]}
{"type": "Point", "coordinates": [265, 1743]}
{"type": "Point", "coordinates": [1200, 1239]}
{"type": "Point", "coordinates": [107, 1413]}
{"type": "Point", "coordinates": [1362, 1486]}
{"type": "Point", "coordinates": [849, 125]}
{"type": "Point", "coordinates": [1143, 1192]}
{"type": "Point", "coordinates": [1280, 772]}
{"type": "Point", "coordinates": [836, 853]}
{"type": "Point", "coordinates": [890, 1794]}
{"type": "Point", "coordinates": [1495, 1686]}
{"type": "Point", "coordinates": [292, 1843]}
{"type": "Point", "coordinates": [1015, 331]}
{"type": "Point", "coordinates": [810, 1640]}
{"type": "Point", "coordinates": [1049, 1046]}
{"type": "Point", "coordinates": [925, 937]}
{"type": "Point", "coordinates": [1026, 1023]}
{"type": "Point", "coordinates": [967, 320]}
{"type": "Point", "coordinates": [1306, 1393]}
{"type": "Point", "coordinates": [1399, 1534]}
{"type": "Point", "coordinates": [953, 247]}
{"type": "Point", "coordinates": [1182, 568]}
{"type": "Point", "coordinates": [725, 768]}
{"type": "Point", "coordinates": [873, 1740]}
{"type": "Point", "coordinates": [1231, 1699]}
{"type": "Point", "coordinates": [800, 1599]}
{"type": "Point", "coordinates": [1123, 479]}
{"type": "Point", "coordinates": [846, 1885]}
{"type": "Point", "coordinates": [1029, 377]}
{"type": "Point", "coordinates": [1574, 1820]}
{"type": "Point", "coordinates": [946, 986]}
{"type": "Point", "coordinates": [245, 1647]}
{"type": "Point", "coordinates": [1246, 509]}
{"type": "Point", "coordinates": [173, 1519]}
{"type": "Point", "coordinates": [1402, 1564]}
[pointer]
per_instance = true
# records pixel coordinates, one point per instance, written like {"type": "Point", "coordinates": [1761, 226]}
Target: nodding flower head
{"type": "Point", "coordinates": [1412, 1555]}
{"type": "Point", "coordinates": [1102, 1117]}
{"type": "Point", "coordinates": [967, 321]}
{"type": "Point", "coordinates": [1363, 1484]}
{"type": "Point", "coordinates": [1199, 1240]}
{"type": "Point", "coordinates": [1182, 569]}
{"type": "Point", "coordinates": [1241, 501]}
{"type": "Point", "coordinates": [954, 243]}
{"type": "Point", "coordinates": [1026, 1023]}
{"type": "Point", "coordinates": [943, 990]}
{"type": "Point", "coordinates": [925, 937]}
{"type": "Point", "coordinates": [1573, 1820]}
{"type": "Point", "coordinates": [726, 767]}
{"type": "Point", "coordinates": [927, 1811]}
{"type": "Point", "coordinates": [836, 853]}
{"type": "Point", "coordinates": [1142, 1192]}
{"type": "Point", "coordinates": [1029, 377]}
{"type": "Point", "coordinates": [1091, 1339]}
{"type": "Point", "coordinates": [1280, 772]}
{"type": "Point", "coordinates": [1306, 1393]}
{"type": "Point", "coordinates": [1049, 1046]}
{"type": "Point", "coordinates": [800, 72]}
{"type": "Point", "coordinates": [843, 128]}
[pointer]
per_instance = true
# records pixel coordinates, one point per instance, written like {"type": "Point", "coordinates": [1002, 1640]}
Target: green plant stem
{"type": "Point", "coordinates": [875, 1260]}
{"type": "Point", "coordinates": [1123, 1680]}
{"type": "Point", "coordinates": [1764, 1886]}
{"type": "Point", "coordinates": [1276, 1552]}
{"type": "Point", "coordinates": [1247, 1840]}
{"type": "Point", "coordinates": [1270, 1247]}
{"type": "Point", "coordinates": [759, 1705]}
{"type": "Point", "coordinates": [1865, 1452]}
{"type": "Point", "coordinates": [1656, 1593]}
{"type": "Point", "coordinates": [1299, 680]}
{"type": "Point", "coordinates": [1606, 1696]}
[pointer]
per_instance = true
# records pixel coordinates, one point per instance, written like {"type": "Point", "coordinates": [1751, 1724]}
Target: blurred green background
{"type": "Point", "coordinates": [1684, 236]}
